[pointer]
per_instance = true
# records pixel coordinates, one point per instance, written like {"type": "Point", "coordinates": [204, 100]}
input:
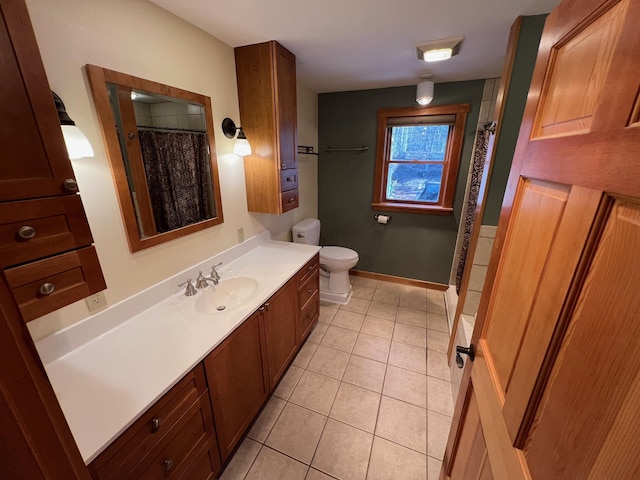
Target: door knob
{"type": "Point", "coordinates": [470, 351]}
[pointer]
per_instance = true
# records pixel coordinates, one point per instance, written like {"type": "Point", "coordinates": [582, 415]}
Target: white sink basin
{"type": "Point", "coordinates": [230, 293]}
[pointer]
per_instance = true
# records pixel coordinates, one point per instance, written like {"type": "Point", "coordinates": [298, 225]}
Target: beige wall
{"type": "Point", "coordinates": [139, 38]}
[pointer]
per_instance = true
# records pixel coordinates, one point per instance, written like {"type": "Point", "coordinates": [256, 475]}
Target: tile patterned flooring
{"type": "Point", "coordinates": [367, 397]}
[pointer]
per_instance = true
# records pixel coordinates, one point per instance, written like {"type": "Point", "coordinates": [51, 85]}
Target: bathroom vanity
{"type": "Point", "coordinates": [155, 388]}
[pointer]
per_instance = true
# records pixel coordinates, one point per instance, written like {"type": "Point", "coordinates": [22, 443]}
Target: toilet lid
{"type": "Point", "coordinates": [338, 253]}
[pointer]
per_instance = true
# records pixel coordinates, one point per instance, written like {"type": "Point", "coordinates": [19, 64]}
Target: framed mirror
{"type": "Point", "coordinates": [161, 151]}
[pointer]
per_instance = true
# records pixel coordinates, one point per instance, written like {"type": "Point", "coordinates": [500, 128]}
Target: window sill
{"type": "Point", "coordinates": [412, 208]}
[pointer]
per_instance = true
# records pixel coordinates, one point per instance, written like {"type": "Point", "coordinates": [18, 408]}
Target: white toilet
{"type": "Point", "coordinates": [335, 262]}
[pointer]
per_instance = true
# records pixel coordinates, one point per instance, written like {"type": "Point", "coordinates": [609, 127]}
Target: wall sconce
{"type": "Point", "coordinates": [241, 146]}
{"type": "Point", "coordinates": [424, 92]}
{"type": "Point", "coordinates": [439, 50]}
{"type": "Point", "coordinates": [78, 145]}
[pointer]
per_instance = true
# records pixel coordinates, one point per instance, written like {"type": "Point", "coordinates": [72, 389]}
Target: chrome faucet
{"type": "Point", "coordinates": [190, 290]}
{"type": "Point", "coordinates": [215, 276]}
{"type": "Point", "coordinates": [202, 281]}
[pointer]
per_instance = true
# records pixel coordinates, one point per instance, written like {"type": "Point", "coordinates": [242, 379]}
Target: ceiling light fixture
{"type": "Point", "coordinates": [241, 147]}
{"type": "Point", "coordinates": [439, 50]}
{"type": "Point", "coordinates": [78, 145]}
{"type": "Point", "coordinates": [424, 92]}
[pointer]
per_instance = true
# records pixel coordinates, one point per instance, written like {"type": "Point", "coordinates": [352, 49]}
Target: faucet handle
{"type": "Point", "coordinates": [201, 281]}
{"type": "Point", "coordinates": [190, 291]}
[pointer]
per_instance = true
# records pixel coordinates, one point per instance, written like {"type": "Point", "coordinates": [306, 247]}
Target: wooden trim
{"type": "Point", "coordinates": [98, 76]}
{"type": "Point", "coordinates": [136, 163]}
{"type": "Point", "coordinates": [444, 205]}
{"type": "Point", "coordinates": [505, 83]}
{"type": "Point", "coordinates": [441, 287]}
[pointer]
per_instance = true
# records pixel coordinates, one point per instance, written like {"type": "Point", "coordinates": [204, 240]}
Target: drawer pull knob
{"type": "Point", "coordinates": [267, 305]}
{"type": "Point", "coordinates": [70, 184]}
{"type": "Point", "coordinates": [46, 288]}
{"type": "Point", "coordinates": [310, 267]}
{"type": "Point", "coordinates": [310, 290]}
{"type": "Point", "coordinates": [283, 165]}
{"type": "Point", "coordinates": [168, 465]}
{"type": "Point", "coordinates": [292, 199]}
{"type": "Point", "coordinates": [27, 232]}
{"type": "Point", "coordinates": [155, 424]}
{"type": "Point", "coordinates": [289, 179]}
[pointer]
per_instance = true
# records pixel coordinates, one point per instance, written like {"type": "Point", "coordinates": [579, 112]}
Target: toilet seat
{"type": "Point", "coordinates": [338, 255]}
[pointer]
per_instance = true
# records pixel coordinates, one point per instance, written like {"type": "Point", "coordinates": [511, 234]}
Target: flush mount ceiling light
{"type": "Point", "coordinates": [241, 147]}
{"type": "Point", "coordinates": [78, 145]}
{"type": "Point", "coordinates": [439, 49]}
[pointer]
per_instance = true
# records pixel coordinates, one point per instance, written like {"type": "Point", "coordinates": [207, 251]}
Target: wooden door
{"type": "Point", "coordinates": [554, 391]}
{"type": "Point", "coordinates": [280, 332]}
{"type": "Point", "coordinates": [236, 383]}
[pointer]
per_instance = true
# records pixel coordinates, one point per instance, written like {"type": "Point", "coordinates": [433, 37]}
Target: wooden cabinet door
{"type": "Point", "coordinates": [34, 162]}
{"type": "Point", "coordinates": [554, 390]}
{"type": "Point", "coordinates": [286, 109]}
{"type": "Point", "coordinates": [236, 383]}
{"type": "Point", "coordinates": [280, 331]}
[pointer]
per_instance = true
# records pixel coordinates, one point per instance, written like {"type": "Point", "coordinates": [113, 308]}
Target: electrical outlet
{"type": "Point", "coordinates": [240, 235]}
{"type": "Point", "coordinates": [96, 301]}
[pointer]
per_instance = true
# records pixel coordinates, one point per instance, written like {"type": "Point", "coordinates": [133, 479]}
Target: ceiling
{"type": "Point", "coordinates": [345, 45]}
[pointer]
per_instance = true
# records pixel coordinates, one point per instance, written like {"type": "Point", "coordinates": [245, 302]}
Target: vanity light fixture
{"type": "Point", "coordinates": [241, 146]}
{"type": "Point", "coordinates": [424, 91]}
{"type": "Point", "coordinates": [439, 50]}
{"type": "Point", "coordinates": [78, 145]}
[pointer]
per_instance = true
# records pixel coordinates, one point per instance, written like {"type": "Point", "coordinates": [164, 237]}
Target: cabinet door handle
{"type": "Point", "coordinates": [310, 290]}
{"type": "Point", "coordinates": [155, 424]}
{"type": "Point", "coordinates": [168, 465]}
{"type": "Point", "coordinates": [267, 305]}
{"type": "Point", "coordinates": [310, 268]}
{"type": "Point", "coordinates": [27, 232]}
{"type": "Point", "coordinates": [261, 308]}
{"type": "Point", "coordinates": [70, 184]}
{"type": "Point", "coordinates": [283, 165]}
{"type": "Point", "coordinates": [46, 288]}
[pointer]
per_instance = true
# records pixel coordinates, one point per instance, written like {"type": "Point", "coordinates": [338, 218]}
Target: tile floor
{"type": "Point", "coordinates": [367, 397]}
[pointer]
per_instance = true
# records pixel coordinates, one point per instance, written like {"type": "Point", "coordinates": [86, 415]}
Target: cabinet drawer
{"type": "Point", "coordinates": [206, 464]}
{"type": "Point", "coordinates": [69, 277]}
{"type": "Point", "coordinates": [33, 229]}
{"type": "Point", "coordinates": [305, 272]}
{"type": "Point", "coordinates": [309, 316]}
{"type": "Point", "coordinates": [289, 200]}
{"type": "Point", "coordinates": [184, 441]}
{"type": "Point", "coordinates": [288, 180]}
{"type": "Point", "coordinates": [309, 288]}
{"type": "Point", "coordinates": [147, 432]}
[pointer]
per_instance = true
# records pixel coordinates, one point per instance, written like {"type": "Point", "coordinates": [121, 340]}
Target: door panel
{"type": "Point", "coordinates": [555, 381]}
{"type": "Point", "coordinates": [539, 211]}
{"type": "Point", "coordinates": [578, 69]}
{"type": "Point", "coordinates": [594, 365]}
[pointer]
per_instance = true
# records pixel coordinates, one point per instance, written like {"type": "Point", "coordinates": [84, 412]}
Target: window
{"type": "Point", "coordinates": [417, 157]}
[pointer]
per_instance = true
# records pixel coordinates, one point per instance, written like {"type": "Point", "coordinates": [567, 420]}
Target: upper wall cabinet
{"type": "Point", "coordinates": [266, 74]}
{"type": "Point", "coordinates": [45, 241]}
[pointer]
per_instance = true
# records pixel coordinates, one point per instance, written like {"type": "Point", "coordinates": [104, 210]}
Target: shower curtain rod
{"type": "Point", "coordinates": [170, 130]}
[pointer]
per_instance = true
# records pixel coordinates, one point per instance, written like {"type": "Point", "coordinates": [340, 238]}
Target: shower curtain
{"type": "Point", "coordinates": [479, 157]}
{"type": "Point", "coordinates": [177, 170]}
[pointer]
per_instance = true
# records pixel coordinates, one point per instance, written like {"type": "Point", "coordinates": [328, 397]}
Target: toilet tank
{"type": "Point", "coordinates": [307, 231]}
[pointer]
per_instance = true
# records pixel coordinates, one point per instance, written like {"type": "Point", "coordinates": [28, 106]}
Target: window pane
{"type": "Point", "coordinates": [420, 142]}
{"type": "Point", "coordinates": [414, 181]}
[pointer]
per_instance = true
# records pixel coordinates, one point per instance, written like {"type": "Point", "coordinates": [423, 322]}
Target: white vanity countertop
{"type": "Point", "coordinates": [104, 384]}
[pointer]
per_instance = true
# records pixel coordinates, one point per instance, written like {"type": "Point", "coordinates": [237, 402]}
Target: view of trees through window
{"type": "Point", "coordinates": [416, 162]}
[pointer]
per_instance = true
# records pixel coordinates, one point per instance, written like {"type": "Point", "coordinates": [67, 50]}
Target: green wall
{"type": "Point", "coordinates": [412, 245]}
{"type": "Point", "coordinates": [516, 98]}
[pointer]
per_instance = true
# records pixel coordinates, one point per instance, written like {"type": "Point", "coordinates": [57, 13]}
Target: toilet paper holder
{"type": "Point", "coordinates": [377, 215]}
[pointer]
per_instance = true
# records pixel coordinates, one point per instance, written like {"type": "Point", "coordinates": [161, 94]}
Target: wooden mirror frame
{"type": "Point", "coordinates": [98, 79]}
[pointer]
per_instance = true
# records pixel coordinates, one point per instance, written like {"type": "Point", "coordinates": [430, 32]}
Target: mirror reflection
{"type": "Point", "coordinates": [161, 156]}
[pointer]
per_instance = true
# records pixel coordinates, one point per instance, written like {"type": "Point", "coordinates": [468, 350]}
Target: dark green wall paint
{"type": "Point", "coordinates": [412, 245]}
{"type": "Point", "coordinates": [516, 98]}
